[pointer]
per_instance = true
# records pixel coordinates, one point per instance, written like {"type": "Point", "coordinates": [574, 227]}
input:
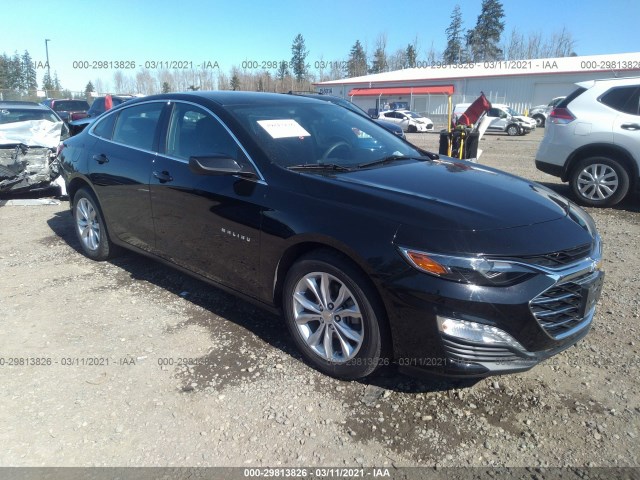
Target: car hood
{"type": "Point", "coordinates": [525, 119]}
{"type": "Point", "coordinates": [441, 195]}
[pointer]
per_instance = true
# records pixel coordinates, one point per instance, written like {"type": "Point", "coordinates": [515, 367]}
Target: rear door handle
{"type": "Point", "coordinates": [102, 158]}
{"type": "Point", "coordinates": [630, 126]}
{"type": "Point", "coordinates": [163, 176]}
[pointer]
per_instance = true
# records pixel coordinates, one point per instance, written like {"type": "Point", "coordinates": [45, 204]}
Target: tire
{"type": "Point", "coordinates": [318, 290]}
{"type": "Point", "coordinates": [513, 130]}
{"type": "Point", "coordinates": [539, 120]}
{"type": "Point", "coordinates": [599, 182]}
{"type": "Point", "coordinates": [90, 227]}
{"type": "Point", "coordinates": [412, 129]}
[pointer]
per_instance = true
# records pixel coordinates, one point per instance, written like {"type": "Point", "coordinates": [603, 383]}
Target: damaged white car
{"type": "Point", "coordinates": [29, 137]}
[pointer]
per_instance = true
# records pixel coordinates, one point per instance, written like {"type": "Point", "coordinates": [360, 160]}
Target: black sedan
{"type": "Point", "coordinates": [373, 250]}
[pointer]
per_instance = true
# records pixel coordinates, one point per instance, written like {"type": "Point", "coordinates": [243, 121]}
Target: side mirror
{"type": "Point", "coordinates": [219, 165]}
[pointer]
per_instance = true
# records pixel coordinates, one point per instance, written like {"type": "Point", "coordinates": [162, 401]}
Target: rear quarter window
{"type": "Point", "coordinates": [623, 99]}
{"type": "Point", "coordinates": [571, 97]}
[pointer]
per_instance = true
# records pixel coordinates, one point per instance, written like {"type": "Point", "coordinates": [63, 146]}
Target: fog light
{"type": "Point", "coordinates": [477, 333]}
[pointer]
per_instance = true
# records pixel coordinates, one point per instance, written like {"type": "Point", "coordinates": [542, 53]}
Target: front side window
{"type": "Point", "coordinates": [193, 132]}
{"type": "Point", "coordinates": [136, 125]}
{"type": "Point", "coordinates": [623, 99]}
{"type": "Point", "coordinates": [104, 127]}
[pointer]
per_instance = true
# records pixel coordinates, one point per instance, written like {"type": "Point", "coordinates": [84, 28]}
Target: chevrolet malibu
{"type": "Point", "coordinates": [373, 250]}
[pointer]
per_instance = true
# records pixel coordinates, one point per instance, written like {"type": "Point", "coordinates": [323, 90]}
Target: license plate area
{"type": "Point", "coordinates": [591, 293]}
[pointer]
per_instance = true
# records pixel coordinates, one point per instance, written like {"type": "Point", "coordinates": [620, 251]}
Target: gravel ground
{"type": "Point", "coordinates": [129, 363]}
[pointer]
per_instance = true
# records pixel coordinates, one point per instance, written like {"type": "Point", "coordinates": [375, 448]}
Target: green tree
{"type": "Point", "coordinates": [235, 82]}
{"type": "Point", "coordinates": [483, 41]}
{"type": "Point", "coordinates": [166, 88]}
{"type": "Point", "coordinates": [15, 72]}
{"type": "Point", "coordinates": [411, 55]}
{"type": "Point", "coordinates": [29, 76]}
{"type": "Point", "coordinates": [299, 57]}
{"type": "Point", "coordinates": [47, 83]}
{"type": "Point", "coordinates": [380, 63]}
{"type": "Point", "coordinates": [454, 52]}
{"type": "Point", "coordinates": [357, 64]}
{"type": "Point", "coordinates": [88, 90]}
{"type": "Point", "coordinates": [4, 71]}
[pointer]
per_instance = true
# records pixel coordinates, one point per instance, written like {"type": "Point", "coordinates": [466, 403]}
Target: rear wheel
{"type": "Point", "coordinates": [90, 227]}
{"type": "Point", "coordinates": [539, 120]}
{"type": "Point", "coordinates": [599, 181]}
{"type": "Point", "coordinates": [333, 315]}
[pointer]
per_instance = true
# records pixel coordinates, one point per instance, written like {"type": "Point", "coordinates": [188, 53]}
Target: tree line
{"type": "Point", "coordinates": [481, 43]}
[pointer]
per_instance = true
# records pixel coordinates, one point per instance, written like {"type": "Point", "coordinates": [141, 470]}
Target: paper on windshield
{"type": "Point", "coordinates": [283, 128]}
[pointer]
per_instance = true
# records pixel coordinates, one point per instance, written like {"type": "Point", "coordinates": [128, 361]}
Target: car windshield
{"type": "Point", "coordinates": [512, 112]}
{"type": "Point", "coordinates": [68, 105]}
{"type": "Point", "coordinates": [318, 134]}
{"type": "Point", "coordinates": [414, 114]}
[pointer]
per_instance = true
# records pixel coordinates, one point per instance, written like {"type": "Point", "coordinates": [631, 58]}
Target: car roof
{"type": "Point", "coordinates": [228, 98]}
{"type": "Point", "coordinates": [23, 105]}
{"type": "Point", "coordinates": [623, 81]}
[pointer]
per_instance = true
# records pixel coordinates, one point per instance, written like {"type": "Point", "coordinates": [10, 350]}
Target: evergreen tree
{"type": "Point", "coordinates": [88, 90]}
{"type": "Point", "coordinates": [15, 72]}
{"type": "Point", "coordinates": [411, 55]}
{"type": "Point", "coordinates": [4, 72]}
{"type": "Point", "coordinates": [453, 53]}
{"type": "Point", "coordinates": [298, 58]}
{"type": "Point", "coordinates": [56, 82]}
{"type": "Point", "coordinates": [235, 82]}
{"type": "Point", "coordinates": [166, 88]}
{"type": "Point", "coordinates": [47, 83]}
{"type": "Point", "coordinates": [29, 76]}
{"type": "Point", "coordinates": [380, 63]}
{"type": "Point", "coordinates": [283, 71]}
{"type": "Point", "coordinates": [357, 65]}
{"type": "Point", "coordinates": [483, 42]}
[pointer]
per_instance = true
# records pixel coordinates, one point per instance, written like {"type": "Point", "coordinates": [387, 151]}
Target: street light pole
{"type": "Point", "coordinates": [46, 47]}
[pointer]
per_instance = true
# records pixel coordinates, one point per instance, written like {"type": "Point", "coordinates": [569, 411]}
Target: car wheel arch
{"type": "Point", "coordinates": [305, 248]}
{"type": "Point", "coordinates": [612, 151]}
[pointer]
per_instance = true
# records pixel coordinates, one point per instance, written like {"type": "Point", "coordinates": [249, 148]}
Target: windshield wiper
{"type": "Point", "coordinates": [320, 166]}
{"type": "Point", "coordinates": [392, 158]}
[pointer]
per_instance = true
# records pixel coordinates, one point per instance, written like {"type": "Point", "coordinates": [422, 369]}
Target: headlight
{"type": "Point", "coordinates": [472, 270]}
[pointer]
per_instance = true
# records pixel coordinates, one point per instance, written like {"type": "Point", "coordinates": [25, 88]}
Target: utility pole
{"type": "Point", "coordinates": [46, 47]}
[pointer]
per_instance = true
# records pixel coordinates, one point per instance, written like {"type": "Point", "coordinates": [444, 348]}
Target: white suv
{"type": "Point", "coordinates": [592, 140]}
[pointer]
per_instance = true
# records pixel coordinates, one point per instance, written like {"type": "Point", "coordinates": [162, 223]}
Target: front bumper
{"type": "Point", "coordinates": [535, 320]}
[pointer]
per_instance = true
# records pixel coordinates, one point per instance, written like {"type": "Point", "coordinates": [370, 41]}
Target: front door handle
{"type": "Point", "coordinates": [630, 126]}
{"type": "Point", "coordinates": [163, 176]}
{"type": "Point", "coordinates": [102, 158]}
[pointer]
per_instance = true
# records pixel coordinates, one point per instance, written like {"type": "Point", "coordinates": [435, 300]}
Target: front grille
{"type": "Point", "coordinates": [557, 309]}
{"type": "Point", "coordinates": [560, 258]}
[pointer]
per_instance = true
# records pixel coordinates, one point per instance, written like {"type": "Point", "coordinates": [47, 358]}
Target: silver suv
{"type": "Point", "coordinates": [592, 141]}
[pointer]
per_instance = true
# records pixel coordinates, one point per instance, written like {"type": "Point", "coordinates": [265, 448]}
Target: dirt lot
{"type": "Point", "coordinates": [129, 363]}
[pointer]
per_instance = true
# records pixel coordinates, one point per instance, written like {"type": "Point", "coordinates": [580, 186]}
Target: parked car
{"type": "Point", "coordinates": [370, 247]}
{"type": "Point", "coordinates": [503, 119]}
{"type": "Point", "coordinates": [68, 109]}
{"type": "Point", "coordinates": [29, 137]}
{"type": "Point", "coordinates": [98, 107]}
{"type": "Point", "coordinates": [408, 121]}
{"type": "Point", "coordinates": [392, 127]}
{"type": "Point", "coordinates": [592, 141]}
{"type": "Point", "coordinates": [540, 112]}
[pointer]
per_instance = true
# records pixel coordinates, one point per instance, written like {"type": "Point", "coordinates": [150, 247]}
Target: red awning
{"type": "Point", "coordinates": [432, 90]}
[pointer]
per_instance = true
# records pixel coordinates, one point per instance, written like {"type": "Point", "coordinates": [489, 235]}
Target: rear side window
{"type": "Point", "coordinates": [623, 99]}
{"type": "Point", "coordinates": [136, 125]}
{"type": "Point", "coordinates": [104, 128]}
{"type": "Point", "coordinates": [572, 96]}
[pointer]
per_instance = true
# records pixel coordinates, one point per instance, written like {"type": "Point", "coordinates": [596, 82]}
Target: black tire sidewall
{"type": "Point", "coordinates": [370, 355]}
{"type": "Point", "coordinates": [509, 127]}
{"type": "Point", "coordinates": [623, 182]}
{"type": "Point", "coordinates": [103, 251]}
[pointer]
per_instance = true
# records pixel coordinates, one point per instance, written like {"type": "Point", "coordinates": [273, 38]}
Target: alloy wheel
{"type": "Point", "coordinates": [597, 181]}
{"type": "Point", "coordinates": [87, 224]}
{"type": "Point", "coordinates": [328, 317]}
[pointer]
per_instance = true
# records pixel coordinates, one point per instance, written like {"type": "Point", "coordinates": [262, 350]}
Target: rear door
{"type": "Point", "coordinates": [120, 167]}
{"type": "Point", "coordinates": [626, 126]}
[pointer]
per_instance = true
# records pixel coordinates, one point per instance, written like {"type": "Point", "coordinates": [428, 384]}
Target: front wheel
{"type": "Point", "coordinates": [599, 181]}
{"type": "Point", "coordinates": [334, 317]}
{"type": "Point", "coordinates": [513, 130]}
